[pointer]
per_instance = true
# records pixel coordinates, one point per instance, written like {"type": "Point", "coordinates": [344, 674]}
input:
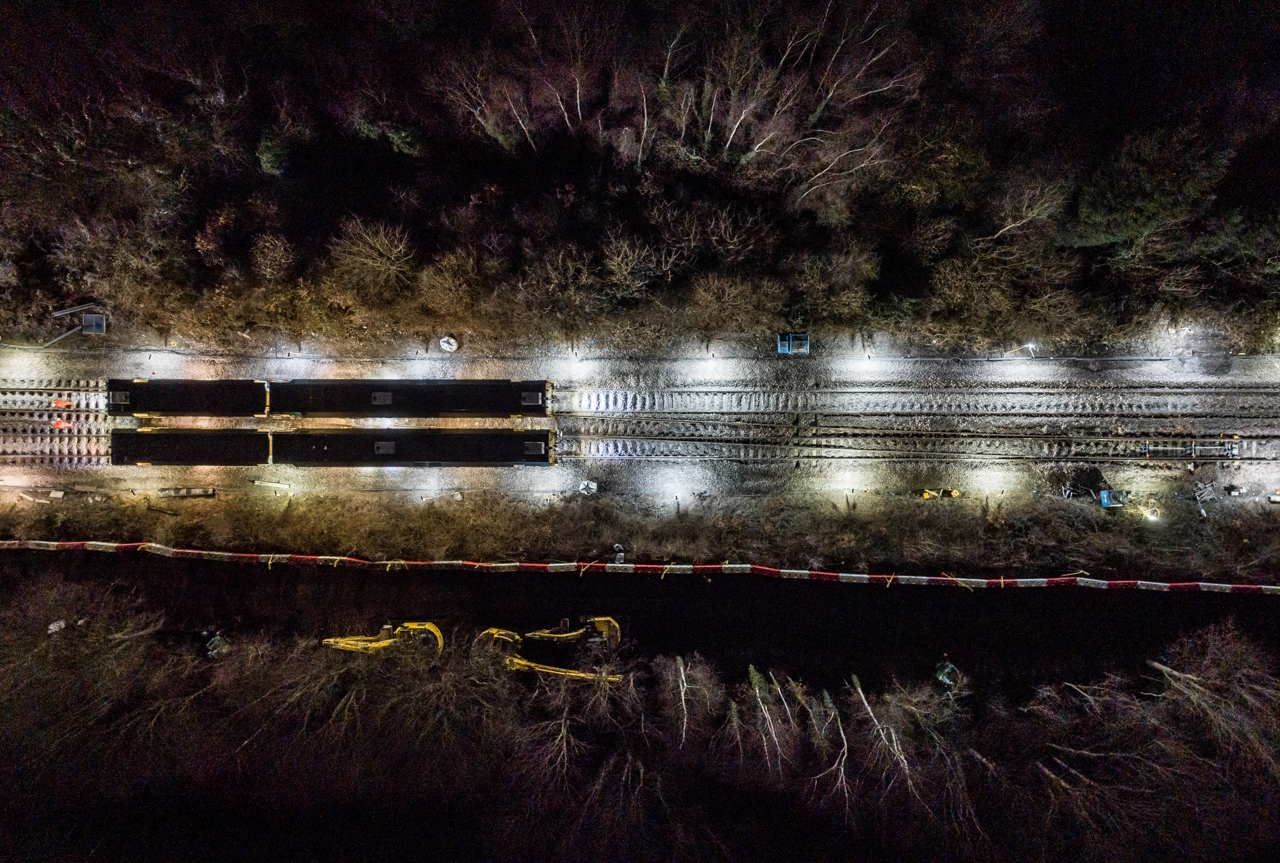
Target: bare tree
{"type": "Point", "coordinates": [469, 89]}
{"type": "Point", "coordinates": [1028, 201]}
{"type": "Point", "coordinates": [374, 257]}
{"type": "Point", "coordinates": [810, 108]}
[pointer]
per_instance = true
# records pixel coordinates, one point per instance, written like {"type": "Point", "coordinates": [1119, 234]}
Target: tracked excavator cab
{"type": "Point", "coordinates": [593, 629]}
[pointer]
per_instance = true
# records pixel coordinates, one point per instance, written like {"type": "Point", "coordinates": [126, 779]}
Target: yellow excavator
{"type": "Point", "coordinates": [601, 630]}
{"type": "Point", "coordinates": [421, 634]}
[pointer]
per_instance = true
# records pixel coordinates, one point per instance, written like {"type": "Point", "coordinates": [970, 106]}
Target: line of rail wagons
{"type": "Point", "coordinates": [328, 398]}
{"type": "Point", "coordinates": [330, 447]}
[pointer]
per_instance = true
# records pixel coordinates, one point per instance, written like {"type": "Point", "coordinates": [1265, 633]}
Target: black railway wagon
{"type": "Point", "coordinates": [142, 397]}
{"type": "Point", "coordinates": [328, 398]}
{"type": "Point", "coordinates": [190, 447]}
{"type": "Point", "coordinates": [409, 398]}
{"type": "Point", "coordinates": [336, 447]}
{"type": "Point", "coordinates": [412, 447]}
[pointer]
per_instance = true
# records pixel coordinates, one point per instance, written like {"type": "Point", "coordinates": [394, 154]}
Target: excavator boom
{"type": "Point", "coordinates": [604, 629]}
{"type": "Point", "coordinates": [517, 663]}
{"type": "Point", "coordinates": [422, 634]}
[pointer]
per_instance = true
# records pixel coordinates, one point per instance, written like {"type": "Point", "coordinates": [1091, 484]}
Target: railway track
{"type": "Point", "coordinates": [894, 423]}
{"type": "Point", "coordinates": [35, 395]}
{"type": "Point", "coordinates": [67, 448]}
{"type": "Point", "coordinates": [64, 422]}
{"type": "Point", "coordinates": [911, 447]}
{"type": "Point", "coordinates": [60, 422]}
{"type": "Point", "coordinates": [1058, 402]}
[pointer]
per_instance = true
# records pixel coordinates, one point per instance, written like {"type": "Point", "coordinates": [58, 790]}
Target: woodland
{"type": "Point", "coordinates": [961, 174]}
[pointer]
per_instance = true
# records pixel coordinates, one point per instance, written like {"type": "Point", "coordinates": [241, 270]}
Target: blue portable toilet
{"type": "Point", "coordinates": [793, 344]}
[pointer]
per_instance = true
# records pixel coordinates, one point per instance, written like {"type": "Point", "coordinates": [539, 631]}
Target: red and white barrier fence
{"type": "Point", "coordinates": [659, 569]}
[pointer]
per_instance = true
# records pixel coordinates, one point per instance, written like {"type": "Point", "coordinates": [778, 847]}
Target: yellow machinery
{"type": "Point", "coordinates": [930, 494]}
{"type": "Point", "coordinates": [421, 634]}
{"type": "Point", "coordinates": [518, 663]}
{"type": "Point", "coordinates": [594, 629]}
{"type": "Point", "coordinates": [604, 629]}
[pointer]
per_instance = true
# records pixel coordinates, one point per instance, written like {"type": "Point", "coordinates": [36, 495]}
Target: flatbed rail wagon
{"type": "Point", "coordinates": [333, 447]}
{"type": "Point", "coordinates": [143, 397]}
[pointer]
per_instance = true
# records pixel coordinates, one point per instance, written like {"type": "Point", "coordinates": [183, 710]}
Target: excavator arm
{"type": "Point", "coordinates": [421, 634]}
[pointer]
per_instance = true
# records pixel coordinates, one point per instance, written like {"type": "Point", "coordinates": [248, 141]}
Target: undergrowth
{"type": "Point", "coordinates": [1035, 535]}
{"type": "Point", "coordinates": [676, 761]}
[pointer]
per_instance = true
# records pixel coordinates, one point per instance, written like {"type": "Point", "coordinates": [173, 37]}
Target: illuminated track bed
{"type": "Point", "coordinates": [910, 447]}
{"type": "Point", "coordinates": [42, 447]}
{"type": "Point", "coordinates": [59, 423]}
{"type": "Point", "coordinates": [1140, 424]}
{"type": "Point", "coordinates": [66, 422]}
{"type": "Point", "coordinates": [35, 395]}
{"type": "Point", "coordinates": [778, 438]}
{"type": "Point", "coordinates": [991, 403]}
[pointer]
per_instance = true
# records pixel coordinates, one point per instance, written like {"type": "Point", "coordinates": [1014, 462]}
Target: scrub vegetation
{"type": "Point", "coordinates": [962, 174]}
{"type": "Point", "coordinates": [1031, 536]}
{"type": "Point", "coordinates": [115, 718]}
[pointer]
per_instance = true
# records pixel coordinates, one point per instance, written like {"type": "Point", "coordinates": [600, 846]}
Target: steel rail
{"type": "Point", "coordinates": [1054, 401]}
{"type": "Point", "coordinates": [69, 459]}
{"type": "Point", "coordinates": [924, 457]}
{"type": "Point", "coordinates": [1015, 387]}
{"type": "Point", "coordinates": [634, 448]}
{"type": "Point", "coordinates": [885, 431]}
{"type": "Point", "coordinates": [1262, 413]}
{"type": "Point", "coordinates": [851, 442]}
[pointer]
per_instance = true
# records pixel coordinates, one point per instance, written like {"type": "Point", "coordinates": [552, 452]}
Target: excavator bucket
{"type": "Point", "coordinates": [423, 635]}
{"type": "Point", "coordinates": [502, 640]}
